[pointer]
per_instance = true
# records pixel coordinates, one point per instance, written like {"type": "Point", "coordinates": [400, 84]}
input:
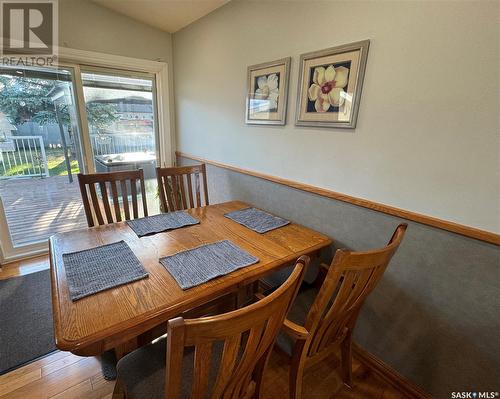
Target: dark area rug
{"type": "Point", "coordinates": [26, 327]}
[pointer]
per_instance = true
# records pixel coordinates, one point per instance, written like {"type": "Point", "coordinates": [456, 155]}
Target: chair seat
{"type": "Point", "coordinates": [297, 314]}
{"type": "Point", "coordinates": [142, 371]}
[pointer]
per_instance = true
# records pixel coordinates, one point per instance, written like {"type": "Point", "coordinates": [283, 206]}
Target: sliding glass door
{"type": "Point", "coordinates": [122, 124]}
{"type": "Point", "coordinates": [40, 153]}
{"type": "Point", "coordinates": [55, 123]}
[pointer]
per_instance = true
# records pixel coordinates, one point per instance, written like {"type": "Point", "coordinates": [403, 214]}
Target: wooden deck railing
{"type": "Point", "coordinates": [23, 156]}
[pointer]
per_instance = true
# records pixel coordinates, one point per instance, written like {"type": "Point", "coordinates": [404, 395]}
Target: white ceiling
{"type": "Point", "coordinates": [167, 15]}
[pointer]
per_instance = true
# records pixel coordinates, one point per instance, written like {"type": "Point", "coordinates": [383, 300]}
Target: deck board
{"type": "Point", "coordinates": [37, 208]}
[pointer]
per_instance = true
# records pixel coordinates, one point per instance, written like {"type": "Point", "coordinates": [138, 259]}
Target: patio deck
{"type": "Point", "coordinates": [38, 208]}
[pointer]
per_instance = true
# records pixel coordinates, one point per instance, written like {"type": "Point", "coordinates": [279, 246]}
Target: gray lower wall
{"type": "Point", "coordinates": [434, 317]}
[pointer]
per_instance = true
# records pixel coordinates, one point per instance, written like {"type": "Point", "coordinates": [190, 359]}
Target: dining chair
{"type": "Point", "coordinates": [322, 320]}
{"type": "Point", "coordinates": [176, 187]}
{"type": "Point", "coordinates": [97, 189]}
{"type": "Point", "coordinates": [221, 356]}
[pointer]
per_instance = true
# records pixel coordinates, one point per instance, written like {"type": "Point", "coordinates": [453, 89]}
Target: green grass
{"type": "Point", "coordinates": [55, 162]}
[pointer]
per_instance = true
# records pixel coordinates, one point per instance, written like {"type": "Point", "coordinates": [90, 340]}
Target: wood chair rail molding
{"type": "Point", "coordinates": [453, 227]}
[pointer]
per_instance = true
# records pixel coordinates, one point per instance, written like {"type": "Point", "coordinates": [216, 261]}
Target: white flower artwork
{"type": "Point", "coordinates": [328, 87]}
{"type": "Point", "coordinates": [268, 89]}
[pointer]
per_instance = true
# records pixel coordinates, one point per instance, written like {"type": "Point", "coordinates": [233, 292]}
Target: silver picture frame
{"type": "Point", "coordinates": [347, 112]}
{"type": "Point", "coordinates": [255, 105]}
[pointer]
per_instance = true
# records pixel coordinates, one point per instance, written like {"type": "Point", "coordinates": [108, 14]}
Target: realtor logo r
{"type": "Point", "coordinates": [28, 27]}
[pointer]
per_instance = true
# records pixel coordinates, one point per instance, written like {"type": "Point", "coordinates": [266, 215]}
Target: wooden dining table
{"type": "Point", "coordinates": [110, 318]}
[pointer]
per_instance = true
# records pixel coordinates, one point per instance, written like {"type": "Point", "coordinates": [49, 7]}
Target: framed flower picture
{"type": "Point", "coordinates": [330, 83]}
{"type": "Point", "coordinates": [267, 91]}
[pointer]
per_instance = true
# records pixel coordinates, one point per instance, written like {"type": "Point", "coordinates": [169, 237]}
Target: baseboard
{"type": "Point", "coordinates": [388, 374]}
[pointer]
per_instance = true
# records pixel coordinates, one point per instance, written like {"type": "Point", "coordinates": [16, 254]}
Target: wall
{"type": "Point", "coordinates": [87, 26]}
{"type": "Point", "coordinates": [428, 129]}
{"type": "Point", "coordinates": [434, 315]}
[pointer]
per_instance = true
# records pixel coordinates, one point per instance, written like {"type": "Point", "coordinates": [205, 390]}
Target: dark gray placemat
{"type": "Point", "coordinates": [163, 222]}
{"type": "Point", "coordinates": [257, 220]}
{"type": "Point", "coordinates": [97, 269]}
{"type": "Point", "coordinates": [201, 264]}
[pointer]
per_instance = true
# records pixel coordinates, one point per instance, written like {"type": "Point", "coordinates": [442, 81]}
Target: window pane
{"type": "Point", "coordinates": [121, 118]}
{"type": "Point", "coordinates": [40, 154]}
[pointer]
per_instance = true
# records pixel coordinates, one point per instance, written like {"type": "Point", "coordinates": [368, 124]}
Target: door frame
{"type": "Point", "coordinates": [164, 109]}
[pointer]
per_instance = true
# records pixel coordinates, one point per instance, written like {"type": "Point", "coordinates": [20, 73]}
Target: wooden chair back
{"type": "Point", "coordinates": [350, 279]}
{"type": "Point", "coordinates": [96, 189]}
{"type": "Point", "coordinates": [176, 187]}
{"type": "Point", "coordinates": [247, 335]}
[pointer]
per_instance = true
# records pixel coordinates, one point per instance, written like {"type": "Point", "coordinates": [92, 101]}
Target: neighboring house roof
{"type": "Point", "coordinates": [130, 104]}
{"type": "Point", "coordinates": [136, 108]}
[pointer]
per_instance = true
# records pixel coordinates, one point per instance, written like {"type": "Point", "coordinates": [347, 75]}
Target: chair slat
{"type": "Point", "coordinates": [190, 191]}
{"type": "Point", "coordinates": [161, 180]}
{"type": "Point", "coordinates": [197, 187]}
{"type": "Point", "coordinates": [133, 191]}
{"type": "Point", "coordinates": [143, 194]}
{"type": "Point", "coordinates": [105, 200]}
{"type": "Point", "coordinates": [335, 310]}
{"type": "Point", "coordinates": [226, 368]}
{"type": "Point", "coordinates": [247, 362]}
{"type": "Point", "coordinates": [86, 203]}
{"type": "Point", "coordinates": [183, 192]}
{"type": "Point", "coordinates": [175, 193]}
{"type": "Point", "coordinates": [123, 184]}
{"type": "Point", "coordinates": [116, 202]}
{"type": "Point", "coordinates": [169, 206]}
{"type": "Point", "coordinates": [95, 202]}
{"type": "Point", "coordinates": [202, 364]}
{"type": "Point", "coordinates": [205, 184]}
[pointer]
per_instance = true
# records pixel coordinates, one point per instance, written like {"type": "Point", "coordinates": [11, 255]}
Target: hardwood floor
{"type": "Point", "coordinates": [60, 375]}
{"type": "Point", "coordinates": [24, 267]}
{"type": "Point", "coordinates": [64, 375]}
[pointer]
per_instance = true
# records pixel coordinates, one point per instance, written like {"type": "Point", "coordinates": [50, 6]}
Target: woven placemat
{"type": "Point", "coordinates": [97, 269]}
{"type": "Point", "coordinates": [201, 264]}
{"type": "Point", "coordinates": [257, 220]}
{"type": "Point", "coordinates": [160, 223]}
